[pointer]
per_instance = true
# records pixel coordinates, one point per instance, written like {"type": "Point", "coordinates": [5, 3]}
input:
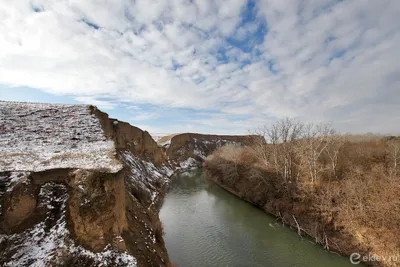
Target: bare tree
{"type": "Point", "coordinates": [316, 140]}
{"type": "Point", "coordinates": [293, 145]}
{"type": "Point", "coordinates": [279, 152]}
{"type": "Point", "coordinates": [394, 150]}
{"type": "Point", "coordinates": [289, 131]}
{"type": "Point", "coordinates": [259, 145]}
{"type": "Point", "coordinates": [336, 143]}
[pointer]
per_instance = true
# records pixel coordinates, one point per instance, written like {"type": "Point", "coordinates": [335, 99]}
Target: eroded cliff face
{"type": "Point", "coordinates": [60, 217]}
{"type": "Point", "coordinates": [190, 149]}
{"type": "Point", "coordinates": [130, 138]}
{"type": "Point", "coordinates": [78, 189]}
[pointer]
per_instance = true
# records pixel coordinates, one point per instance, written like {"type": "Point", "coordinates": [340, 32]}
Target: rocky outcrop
{"type": "Point", "coordinates": [131, 138]}
{"type": "Point", "coordinates": [190, 149]}
{"type": "Point", "coordinates": [78, 189]}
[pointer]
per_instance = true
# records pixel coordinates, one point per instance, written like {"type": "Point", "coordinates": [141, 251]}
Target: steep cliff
{"type": "Point", "coordinates": [78, 189]}
{"type": "Point", "coordinates": [190, 149]}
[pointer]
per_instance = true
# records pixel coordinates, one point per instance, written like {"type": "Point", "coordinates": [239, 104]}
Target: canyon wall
{"type": "Point", "coordinates": [190, 149]}
{"type": "Point", "coordinates": [78, 189]}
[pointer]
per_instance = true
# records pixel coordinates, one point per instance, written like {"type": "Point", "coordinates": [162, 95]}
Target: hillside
{"type": "Point", "coordinates": [188, 150]}
{"type": "Point", "coordinates": [78, 189]}
{"type": "Point", "coordinates": [39, 137]}
{"type": "Point", "coordinates": [342, 191]}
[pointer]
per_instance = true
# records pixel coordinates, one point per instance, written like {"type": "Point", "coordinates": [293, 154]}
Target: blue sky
{"type": "Point", "coordinates": [208, 66]}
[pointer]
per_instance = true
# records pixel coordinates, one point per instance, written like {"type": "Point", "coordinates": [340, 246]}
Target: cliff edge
{"type": "Point", "coordinates": [189, 150]}
{"type": "Point", "coordinates": [78, 189]}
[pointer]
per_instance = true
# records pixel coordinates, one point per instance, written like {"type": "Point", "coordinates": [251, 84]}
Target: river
{"type": "Point", "coordinates": [207, 226]}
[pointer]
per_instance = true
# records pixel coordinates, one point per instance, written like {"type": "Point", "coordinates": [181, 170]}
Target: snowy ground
{"type": "Point", "coordinates": [49, 242]}
{"type": "Point", "coordinates": [146, 175]}
{"type": "Point", "coordinates": [37, 137]}
{"type": "Point", "coordinates": [165, 144]}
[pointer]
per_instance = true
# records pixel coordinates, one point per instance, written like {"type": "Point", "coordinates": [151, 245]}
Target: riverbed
{"type": "Point", "coordinates": [207, 226]}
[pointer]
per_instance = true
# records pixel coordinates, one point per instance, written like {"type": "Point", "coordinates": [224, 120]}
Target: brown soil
{"type": "Point", "coordinates": [101, 206]}
{"type": "Point", "coordinates": [165, 138]}
{"type": "Point", "coordinates": [183, 145]}
{"type": "Point", "coordinates": [96, 216]}
{"type": "Point", "coordinates": [129, 137]}
{"type": "Point", "coordinates": [357, 213]}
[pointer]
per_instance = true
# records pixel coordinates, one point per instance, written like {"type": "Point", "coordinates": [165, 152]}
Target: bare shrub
{"type": "Point", "coordinates": [315, 141]}
{"type": "Point", "coordinates": [334, 185]}
{"type": "Point", "coordinates": [280, 151]}
{"type": "Point", "coordinates": [333, 149]}
{"type": "Point", "coordinates": [294, 148]}
{"type": "Point", "coordinates": [229, 161]}
{"type": "Point", "coordinates": [394, 155]}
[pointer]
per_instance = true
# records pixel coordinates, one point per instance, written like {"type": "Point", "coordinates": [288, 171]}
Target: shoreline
{"type": "Point", "coordinates": [283, 216]}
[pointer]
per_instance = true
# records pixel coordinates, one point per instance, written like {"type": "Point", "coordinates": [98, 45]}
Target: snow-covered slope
{"type": "Point", "coordinates": [49, 242]}
{"type": "Point", "coordinates": [188, 150]}
{"type": "Point", "coordinates": [67, 198]}
{"type": "Point", "coordinates": [80, 189]}
{"type": "Point", "coordinates": [38, 137]}
{"type": "Point", "coordinates": [145, 176]}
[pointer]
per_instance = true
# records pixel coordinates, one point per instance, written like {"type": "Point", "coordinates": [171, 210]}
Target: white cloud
{"type": "Point", "coordinates": [319, 59]}
{"type": "Point", "coordinates": [145, 116]}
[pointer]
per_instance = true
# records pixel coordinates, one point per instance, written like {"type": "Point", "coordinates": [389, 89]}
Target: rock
{"type": "Point", "coordinates": [70, 201]}
{"type": "Point", "coordinates": [80, 189]}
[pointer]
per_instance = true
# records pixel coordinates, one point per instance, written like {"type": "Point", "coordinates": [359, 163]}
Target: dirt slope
{"type": "Point", "coordinates": [78, 189]}
{"type": "Point", "coordinates": [190, 149]}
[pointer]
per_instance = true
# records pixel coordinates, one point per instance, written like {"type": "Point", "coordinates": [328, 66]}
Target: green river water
{"type": "Point", "coordinates": [207, 226]}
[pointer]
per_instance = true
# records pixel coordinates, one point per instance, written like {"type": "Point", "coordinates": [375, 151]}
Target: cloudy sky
{"type": "Point", "coordinates": [220, 66]}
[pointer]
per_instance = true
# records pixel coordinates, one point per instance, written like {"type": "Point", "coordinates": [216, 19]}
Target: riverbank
{"type": "Point", "coordinates": [229, 231]}
{"type": "Point", "coordinates": [85, 189]}
{"type": "Point", "coordinates": [327, 212]}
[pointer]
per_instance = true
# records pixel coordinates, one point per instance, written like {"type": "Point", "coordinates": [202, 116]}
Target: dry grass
{"type": "Point", "coordinates": [69, 156]}
{"type": "Point", "coordinates": [353, 206]}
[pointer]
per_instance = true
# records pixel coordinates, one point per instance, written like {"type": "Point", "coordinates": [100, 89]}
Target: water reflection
{"type": "Point", "coordinates": [207, 226]}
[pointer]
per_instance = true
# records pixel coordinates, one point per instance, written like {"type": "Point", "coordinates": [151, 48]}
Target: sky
{"type": "Point", "coordinates": [208, 66]}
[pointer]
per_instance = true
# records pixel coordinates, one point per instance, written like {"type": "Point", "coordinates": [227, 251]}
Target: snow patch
{"type": "Point", "coordinates": [166, 144]}
{"type": "Point", "coordinates": [37, 137]}
{"type": "Point", "coordinates": [10, 180]}
{"type": "Point", "coordinates": [49, 242]}
{"type": "Point", "coordinates": [146, 175]}
{"type": "Point", "coordinates": [188, 163]}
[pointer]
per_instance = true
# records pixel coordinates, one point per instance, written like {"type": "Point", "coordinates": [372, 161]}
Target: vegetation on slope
{"type": "Point", "coordinates": [340, 190]}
